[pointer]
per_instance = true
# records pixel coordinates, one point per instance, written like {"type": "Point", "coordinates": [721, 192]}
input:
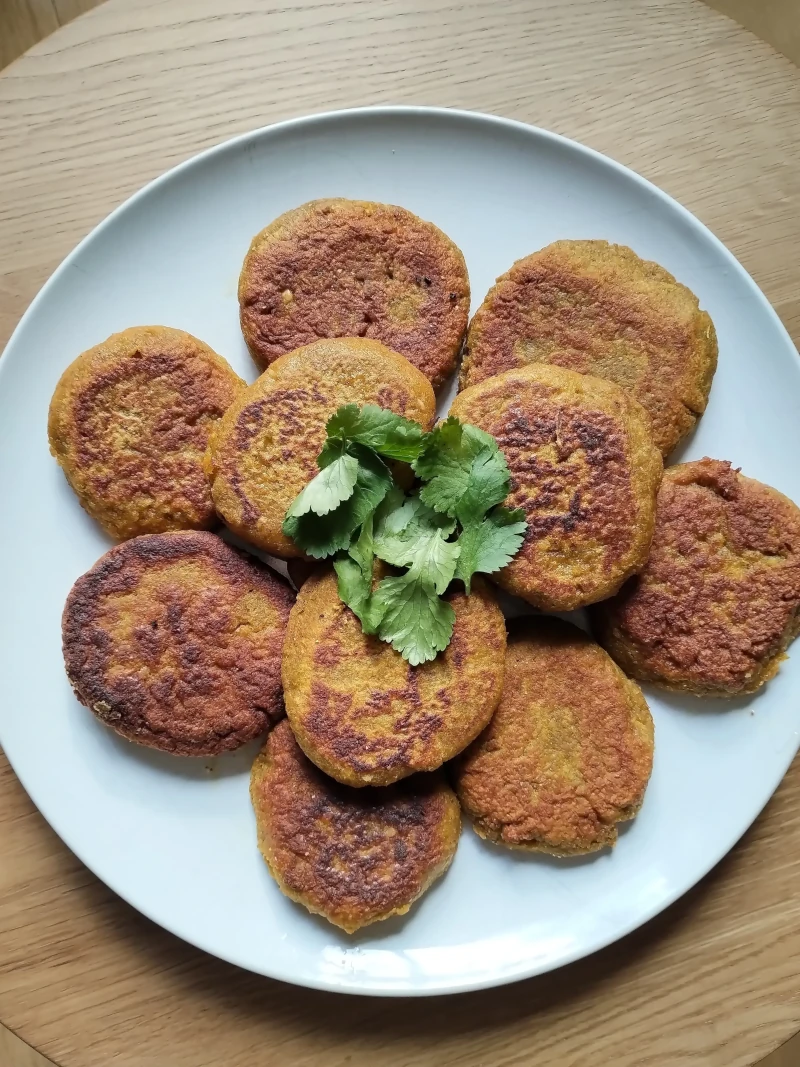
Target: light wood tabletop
{"type": "Point", "coordinates": [670, 87]}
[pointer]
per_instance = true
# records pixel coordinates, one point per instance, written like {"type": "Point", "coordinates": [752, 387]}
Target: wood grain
{"type": "Point", "coordinates": [667, 86]}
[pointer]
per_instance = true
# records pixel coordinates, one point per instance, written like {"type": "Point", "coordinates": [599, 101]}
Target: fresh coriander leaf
{"type": "Point", "coordinates": [324, 536]}
{"type": "Point", "coordinates": [362, 550]}
{"type": "Point", "coordinates": [408, 517]}
{"type": "Point", "coordinates": [415, 536]}
{"type": "Point", "coordinates": [488, 484]}
{"type": "Point", "coordinates": [391, 435]}
{"type": "Point", "coordinates": [354, 573]}
{"type": "Point", "coordinates": [395, 514]}
{"type": "Point", "coordinates": [430, 557]}
{"type": "Point", "coordinates": [449, 440]}
{"type": "Point", "coordinates": [342, 422]}
{"type": "Point", "coordinates": [393, 500]}
{"type": "Point", "coordinates": [490, 544]}
{"type": "Point", "coordinates": [413, 619]}
{"type": "Point", "coordinates": [434, 560]}
{"type": "Point", "coordinates": [331, 450]}
{"type": "Point", "coordinates": [465, 471]}
{"type": "Point", "coordinates": [353, 590]}
{"type": "Point", "coordinates": [334, 484]}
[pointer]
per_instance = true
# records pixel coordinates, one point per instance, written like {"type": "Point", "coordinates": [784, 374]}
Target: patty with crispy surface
{"type": "Point", "coordinates": [361, 712]}
{"type": "Point", "coordinates": [585, 471]}
{"type": "Point", "coordinates": [718, 603]}
{"type": "Point", "coordinates": [351, 268]}
{"type": "Point", "coordinates": [129, 424]}
{"type": "Point", "coordinates": [598, 308]}
{"type": "Point", "coordinates": [354, 856]}
{"type": "Point", "coordinates": [174, 640]}
{"type": "Point", "coordinates": [569, 751]}
{"type": "Point", "coordinates": [264, 451]}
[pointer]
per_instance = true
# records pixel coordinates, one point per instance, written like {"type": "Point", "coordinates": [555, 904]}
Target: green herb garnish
{"type": "Point", "coordinates": [451, 525]}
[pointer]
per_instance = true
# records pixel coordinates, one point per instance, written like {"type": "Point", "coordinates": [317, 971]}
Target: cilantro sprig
{"type": "Point", "coordinates": [450, 525]}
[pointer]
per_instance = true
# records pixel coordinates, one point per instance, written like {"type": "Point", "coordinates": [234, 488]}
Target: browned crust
{"type": "Point", "coordinates": [361, 712]}
{"type": "Point", "coordinates": [174, 640]}
{"type": "Point", "coordinates": [598, 308]}
{"type": "Point", "coordinates": [353, 856]}
{"type": "Point", "coordinates": [718, 603]}
{"type": "Point", "coordinates": [351, 268]}
{"type": "Point", "coordinates": [585, 471]}
{"type": "Point", "coordinates": [129, 423]}
{"type": "Point", "coordinates": [264, 450]}
{"type": "Point", "coordinates": [569, 751]}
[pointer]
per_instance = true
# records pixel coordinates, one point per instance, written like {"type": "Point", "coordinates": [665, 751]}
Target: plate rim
{"type": "Point", "coordinates": [438, 986]}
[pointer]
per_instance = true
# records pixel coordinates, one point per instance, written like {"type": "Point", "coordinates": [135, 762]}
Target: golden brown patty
{"type": "Point", "coordinates": [597, 308]}
{"type": "Point", "coordinates": [352, 855]}
{"type": "Point", "coordinates": [361, 712]}
{"type": "Point", "coordinates": [349, 268]}
{"type": "Point", "coordinates": [264, 451]}
{"type": "Point", "coordinates": [174, 640]}
{"type": "Point", "coordinates": [718, 603]}
{"type": "Point", "coordinates": [569, 751]}
{"type": "Point", "coordinates": [129, 424]}
{"type": "Point", "coordinates": [585, 471]}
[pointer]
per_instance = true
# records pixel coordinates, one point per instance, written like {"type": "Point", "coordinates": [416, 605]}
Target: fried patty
{"type": "Point", "coordinates": [585, 471]}
{"type": "Point", "coordinates": [264, 450]}
{"type": "Point", "coordinates": [174, 640]}
{"type": "Point", "coordinates": [129, 424]}
{"type": "Point", "coordinates": [597, 308]}
{"type": "Point", "coordinates": [718, 603]}
{"type": "Point", "coordinates": [350, 268]}
{"type": "Point", "coordinates": [569, 751]}
{"type": "Point", "coordinates": [361, 712]}
{"type": "Point", "coordinates": [353, 855]}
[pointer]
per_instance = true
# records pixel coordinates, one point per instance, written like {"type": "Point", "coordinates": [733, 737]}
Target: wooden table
{"type": "Point", "coordinates": [669, 87]}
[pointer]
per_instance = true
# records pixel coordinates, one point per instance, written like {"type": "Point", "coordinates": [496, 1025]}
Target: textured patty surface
{"type": "Point", "coordinates": [264, 450]}
{"type": "Point", "coordinates": [366, 716]}
{"type": "Point", "coordinates": [598, 308]}
{"type": "Point", "coordinates": [352, 855]}
{"type": "Point", "coordinates": [718, 603]}
{"type": "Point", "coordinates": [350, 268]}
{"type": "Point", "coordinates": [175, 640]}
{"type": "Point", "coordinates": [569, 751]}
{"type": "Point", "coordinates": [585, 471]}
{"type": "Point", "coordinates": [129, 424]}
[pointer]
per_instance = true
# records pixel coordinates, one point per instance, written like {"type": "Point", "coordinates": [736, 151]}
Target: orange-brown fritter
{"type": "Point", "coordinates": [350, 268]}
{"type": "Point", "coordinates": [569, 751]}
{"type": "Point", "coordinates": [598, 308]}
{"type": "Point", "coordinates": [174, 640]}
{"type": "Point", "coordinates": [353, 855]}
{"type": "Point", "coordinates": [129, 424]}
{"type": "Point", "coordinates": [585, 471]}
{"type": "Point", "coordinates": [366, 716]}
{"type": "Point", "coordinates": [718, 603]}
{"type": "Point", "coordinates": [263, 452]}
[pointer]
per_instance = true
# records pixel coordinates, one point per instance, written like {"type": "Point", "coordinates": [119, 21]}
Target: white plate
{"type": "Point", "coordinates": [177, 840]}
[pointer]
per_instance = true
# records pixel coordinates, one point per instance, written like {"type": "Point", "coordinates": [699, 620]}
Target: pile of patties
{"type": "Point", "coordinates": [588, 365]}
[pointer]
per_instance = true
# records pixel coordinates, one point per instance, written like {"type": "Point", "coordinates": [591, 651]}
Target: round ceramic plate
{"type": "Point", "coordinates": [176, 838]}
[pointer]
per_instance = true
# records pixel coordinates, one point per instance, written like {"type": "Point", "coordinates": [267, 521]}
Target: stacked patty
{"type": "Point", "coordinates": [597, 308]}
{"type": "Point", "coordinates": [352, 268]}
